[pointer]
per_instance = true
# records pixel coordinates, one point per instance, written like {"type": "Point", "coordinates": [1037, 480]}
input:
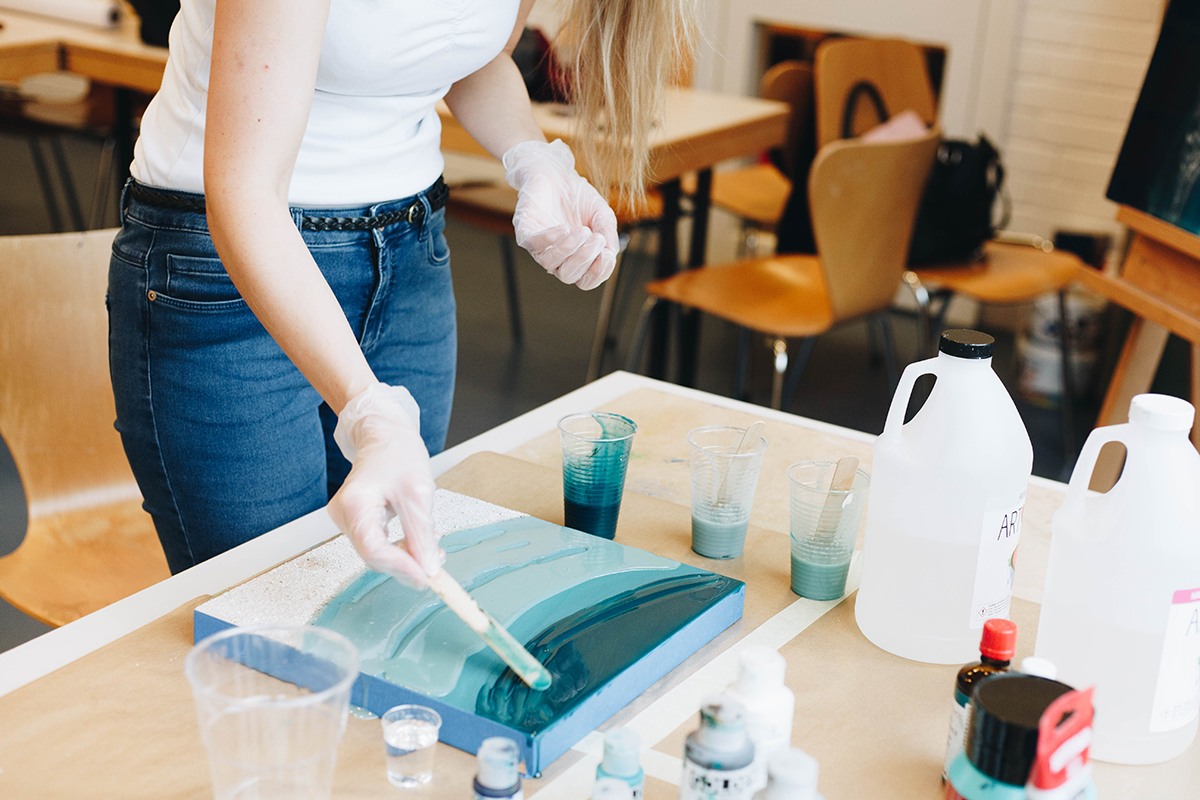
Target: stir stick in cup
{"type": "Point", "coordinates": [843, 479]}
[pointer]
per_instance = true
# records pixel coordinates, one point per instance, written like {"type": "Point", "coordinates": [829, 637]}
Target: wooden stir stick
{"type": "Point", "coordinates": [843, 479]}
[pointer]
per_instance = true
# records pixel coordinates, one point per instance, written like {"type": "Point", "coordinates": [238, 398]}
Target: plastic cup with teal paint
{"type": "Point", "coordinates": [595, 454]}
{"type": "Point", "coordinates": [824, 525]}
{"type": "Point", "coordinates": [723, 484]}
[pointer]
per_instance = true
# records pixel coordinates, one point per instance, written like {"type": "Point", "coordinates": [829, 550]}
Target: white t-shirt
{"type": "Point", "coordinates": [373, 133]}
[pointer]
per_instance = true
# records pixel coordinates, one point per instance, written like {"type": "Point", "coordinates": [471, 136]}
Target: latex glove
{"type": "Point", "coordinates": [561, 219]}
{"type": "Point", "coordinates": [379, 433]}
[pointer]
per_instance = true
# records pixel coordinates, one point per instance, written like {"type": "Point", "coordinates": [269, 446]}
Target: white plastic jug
{"type": "Point", "coordinates": [1121, 609]}
{"type": "Point", "coordinates": [944, 515]}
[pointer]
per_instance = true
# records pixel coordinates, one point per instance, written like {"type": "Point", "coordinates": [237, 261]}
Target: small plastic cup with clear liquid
{"type": "Point", "coordinates": [409, 735]}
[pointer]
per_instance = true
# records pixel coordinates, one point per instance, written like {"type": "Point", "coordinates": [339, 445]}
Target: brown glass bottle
{"type": "Point", "coordinates": [996, 649]}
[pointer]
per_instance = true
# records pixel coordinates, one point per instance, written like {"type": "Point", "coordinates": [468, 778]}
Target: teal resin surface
{"type": "Point", "coordinates": [586, 607]}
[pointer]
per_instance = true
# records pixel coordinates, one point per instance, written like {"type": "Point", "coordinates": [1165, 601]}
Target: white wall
{"type": "Point", "coordinates": [1079, 67]}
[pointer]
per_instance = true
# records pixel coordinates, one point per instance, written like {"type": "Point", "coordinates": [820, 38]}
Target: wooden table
{"type": "Point", "coordinates": [31, 44]}
{"type": "Point", "coordinates": [699, 129]}
{"type": "Point", "coordinates": [877, 723]}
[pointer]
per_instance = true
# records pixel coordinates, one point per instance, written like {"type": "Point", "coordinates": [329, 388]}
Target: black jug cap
{"type": "Point", "coordinates": [1005, 711]}
{"type": "Point", "coordinates": [963, 343]}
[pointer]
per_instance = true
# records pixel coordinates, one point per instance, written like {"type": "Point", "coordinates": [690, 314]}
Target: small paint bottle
{"type": "Point", "coordinates": [499, 775]}
{"type": "Point", "coordinates": [1062, 771]}
{"type": "Point", "coordinates": [622, 749]}
{"type": "Point", "coordinates": [770, 706]}
{"type": "Point", "coordinates": [718, 758]}
{"type": "Point", "coordinates": [996, 648]}
{"type": "Point", "coordinates": [1042, 667]}
{"type": "Point", "coordinates": [791, 775]}
{"type": "Point", "coordinates": [611, 789]}
{"type": "Point", "coordinates": [1002, 738]}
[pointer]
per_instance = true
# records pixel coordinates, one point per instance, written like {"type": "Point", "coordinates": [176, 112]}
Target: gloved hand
{"type": "Point", "coordinates": [379, 433]}
{"type": "Point", "coordinates": [561, 219]}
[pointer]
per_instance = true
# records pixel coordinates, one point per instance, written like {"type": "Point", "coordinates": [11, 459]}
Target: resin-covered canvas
{"type": "Point", "coordinates": [607, 620]}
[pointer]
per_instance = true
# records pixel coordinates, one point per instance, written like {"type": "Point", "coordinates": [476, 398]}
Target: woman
{"type": "Point", "coordinates": [280, 297]}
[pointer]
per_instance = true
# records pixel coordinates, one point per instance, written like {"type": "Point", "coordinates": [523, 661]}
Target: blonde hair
{"type": "Point", "coordinates": [621, 56]}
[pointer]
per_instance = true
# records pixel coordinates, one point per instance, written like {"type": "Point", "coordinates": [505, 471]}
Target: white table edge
{"type": "Point", "coordinates": [38, 657]}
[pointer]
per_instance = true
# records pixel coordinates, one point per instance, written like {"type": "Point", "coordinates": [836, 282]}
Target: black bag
{"type": "Point", "coordinates": [955, 217]}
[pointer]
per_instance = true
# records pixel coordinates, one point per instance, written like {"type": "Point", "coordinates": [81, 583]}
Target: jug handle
{"type": "Point", "coordinates": [1081, 476]}
{"type": "Point", "coordinates": [895, 417]}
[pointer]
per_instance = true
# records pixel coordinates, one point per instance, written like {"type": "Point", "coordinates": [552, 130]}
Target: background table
{"type": "Point", "coordinates": [877, 723]}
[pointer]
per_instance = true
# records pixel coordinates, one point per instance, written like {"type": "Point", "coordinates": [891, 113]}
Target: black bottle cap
{"type": "Point", "coordinates": [1005, 710]}
{"type": "Point", "coordinates": [966, 344]}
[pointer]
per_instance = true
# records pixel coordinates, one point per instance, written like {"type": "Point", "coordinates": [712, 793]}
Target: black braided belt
{"type": "Point", "coordinates": [413, 215]}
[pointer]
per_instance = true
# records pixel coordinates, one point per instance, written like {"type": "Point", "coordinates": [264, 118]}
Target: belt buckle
{"type": "Point", "coordinates": [414, 212]}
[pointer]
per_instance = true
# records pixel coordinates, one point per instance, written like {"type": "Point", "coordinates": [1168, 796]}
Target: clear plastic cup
{"type": "Point", "coordinates": [272, 736]}
{"type": "Point", "coordinates": [824, 526]}
{"type": "Point", "coordinates": [409, 735]}
{"type": "Point", "coordinates": [595, 454]}
{"type": "Point", "coordinates": [723, 484]}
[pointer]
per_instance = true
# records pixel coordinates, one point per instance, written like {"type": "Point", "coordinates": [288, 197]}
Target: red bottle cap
{"type": "Point", "coordinates": [999, 639]}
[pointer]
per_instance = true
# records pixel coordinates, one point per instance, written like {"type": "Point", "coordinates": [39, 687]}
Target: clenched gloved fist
{"type": "Point", "coordinates": [561, 219]}
{"type": "Point", "coordinates": [379, 433]}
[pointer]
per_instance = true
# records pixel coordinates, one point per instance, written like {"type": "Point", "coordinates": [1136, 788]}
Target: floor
{"type": "Point", "coordinates": [842, 384]}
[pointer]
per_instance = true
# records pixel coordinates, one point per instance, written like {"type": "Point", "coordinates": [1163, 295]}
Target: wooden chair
{"type": "Point", "coordinates": [758, 193]}
{"type": "Point", "coordinates": [864, 201]}
{"type": "Point", "coordinates": [89, 543]}
{"type": "Point", "coordinates": [1007, 273]}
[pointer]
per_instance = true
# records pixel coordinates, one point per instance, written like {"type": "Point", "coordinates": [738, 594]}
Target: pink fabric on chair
{"type": "Point", "coordinates": [901, 127]}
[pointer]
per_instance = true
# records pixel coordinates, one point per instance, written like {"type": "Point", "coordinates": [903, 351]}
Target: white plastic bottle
{"type": "Point", "coordinates": [1121, 609]}
{"type": "Point", "coordinates": [499, 776]}
{"type": "Point", "coordinates": [622, 751]}
{"type": "Point", "coordinates": [944, 515]}
{"type": "Point", "coordinates": [769, 705]}
{"type": "Point", "coordinates": [717, 758]}
{"type": "Point", "coordinates": [792, 775]}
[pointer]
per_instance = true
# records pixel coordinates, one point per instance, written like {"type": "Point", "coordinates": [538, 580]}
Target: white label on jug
{"type": "Point", "coordinates": [995, 569]}
{"type": "Point", "coordinates": [1177, 693]}
{"type": "Point", "coordinates": [701, 783]}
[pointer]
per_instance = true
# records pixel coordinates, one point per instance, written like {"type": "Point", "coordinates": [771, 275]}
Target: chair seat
{"type": "Point", "coordinates": [1009, 273]}
{"type": "Point", "coordinates": [780, 295]}
{"type": "Point", "coordinates": [76, 562]}
{"type": "Point", "coordinates": [758, 193]}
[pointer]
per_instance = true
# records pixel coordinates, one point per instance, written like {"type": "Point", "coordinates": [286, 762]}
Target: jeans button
{"type": "Point", "coordinates": [151, 295]}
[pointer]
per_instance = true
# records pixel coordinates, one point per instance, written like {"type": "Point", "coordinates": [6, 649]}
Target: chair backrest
{"type": "Point", "coordinates": [56, 401]}
{"type": "Point", "coordinates": [791, 82]}
{"type": "Point", "coordinates": [864, 199]}
{"type": "Point", "coordinates": [895, 67]}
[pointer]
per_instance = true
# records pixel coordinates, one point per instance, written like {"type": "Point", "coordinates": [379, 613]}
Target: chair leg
{"type": "Point", "coordinates": [68, 184]}
{"type": "Point", "coordinates": [600, 338]}
{"type": "Point", "coordinates": [43, 176]}
{"type": "Point", "coordinates": [1068, 388]}
{"type": "Point", "coordinates": [921, 294]}
{"type": "Point", "coordinates": [508, 258]}
{"type": "Point", "coordinates": [793, 383]}
{"type": "Point", "coordinates": [741, 364]}
{"type": "Point", "coordinates": [779, 349]}
{"type": "Point", "coordinates": [639, 338]}
{"type": "Point", "coordinates": [889, 349]}
{"type": "Point", "coordinates": [104, 176]}
{"type": "Point", "coordinates": [939, 319]}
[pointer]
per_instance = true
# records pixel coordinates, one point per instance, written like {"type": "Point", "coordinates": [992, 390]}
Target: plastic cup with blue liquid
{"type": "Point", "coordinates": [824, 527]}
{"type": "Point", "coordinates": [723, 484]}
{"type": "Point", "coordinates": [595, 454]}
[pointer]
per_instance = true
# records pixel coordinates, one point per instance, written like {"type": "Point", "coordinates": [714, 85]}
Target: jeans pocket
{"type": "Point", "coordinates": [199, 282]}
{"type": "Point", "coordinates": [435, 239]}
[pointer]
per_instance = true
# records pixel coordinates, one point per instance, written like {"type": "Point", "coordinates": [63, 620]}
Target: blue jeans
{"type": "Point", "coordinates": [226, 437]}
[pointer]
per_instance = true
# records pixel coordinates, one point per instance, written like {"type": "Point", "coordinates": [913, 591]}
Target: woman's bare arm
{"type": "Point", "coordinates": [492, 103]}
{"type": "Point", "coordinates": [264, 66]}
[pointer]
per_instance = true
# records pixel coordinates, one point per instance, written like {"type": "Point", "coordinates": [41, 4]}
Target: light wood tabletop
{"type": "Point", "coordinates": [31, 44]}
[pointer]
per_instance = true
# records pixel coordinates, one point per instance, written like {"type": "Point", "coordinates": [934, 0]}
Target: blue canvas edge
{"type": "Point", "coordinates": [466, 731]}
{"type": "Point", "coordinates": [460, 728]}
{"type": "Point", "coordinates": [644, 673]}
